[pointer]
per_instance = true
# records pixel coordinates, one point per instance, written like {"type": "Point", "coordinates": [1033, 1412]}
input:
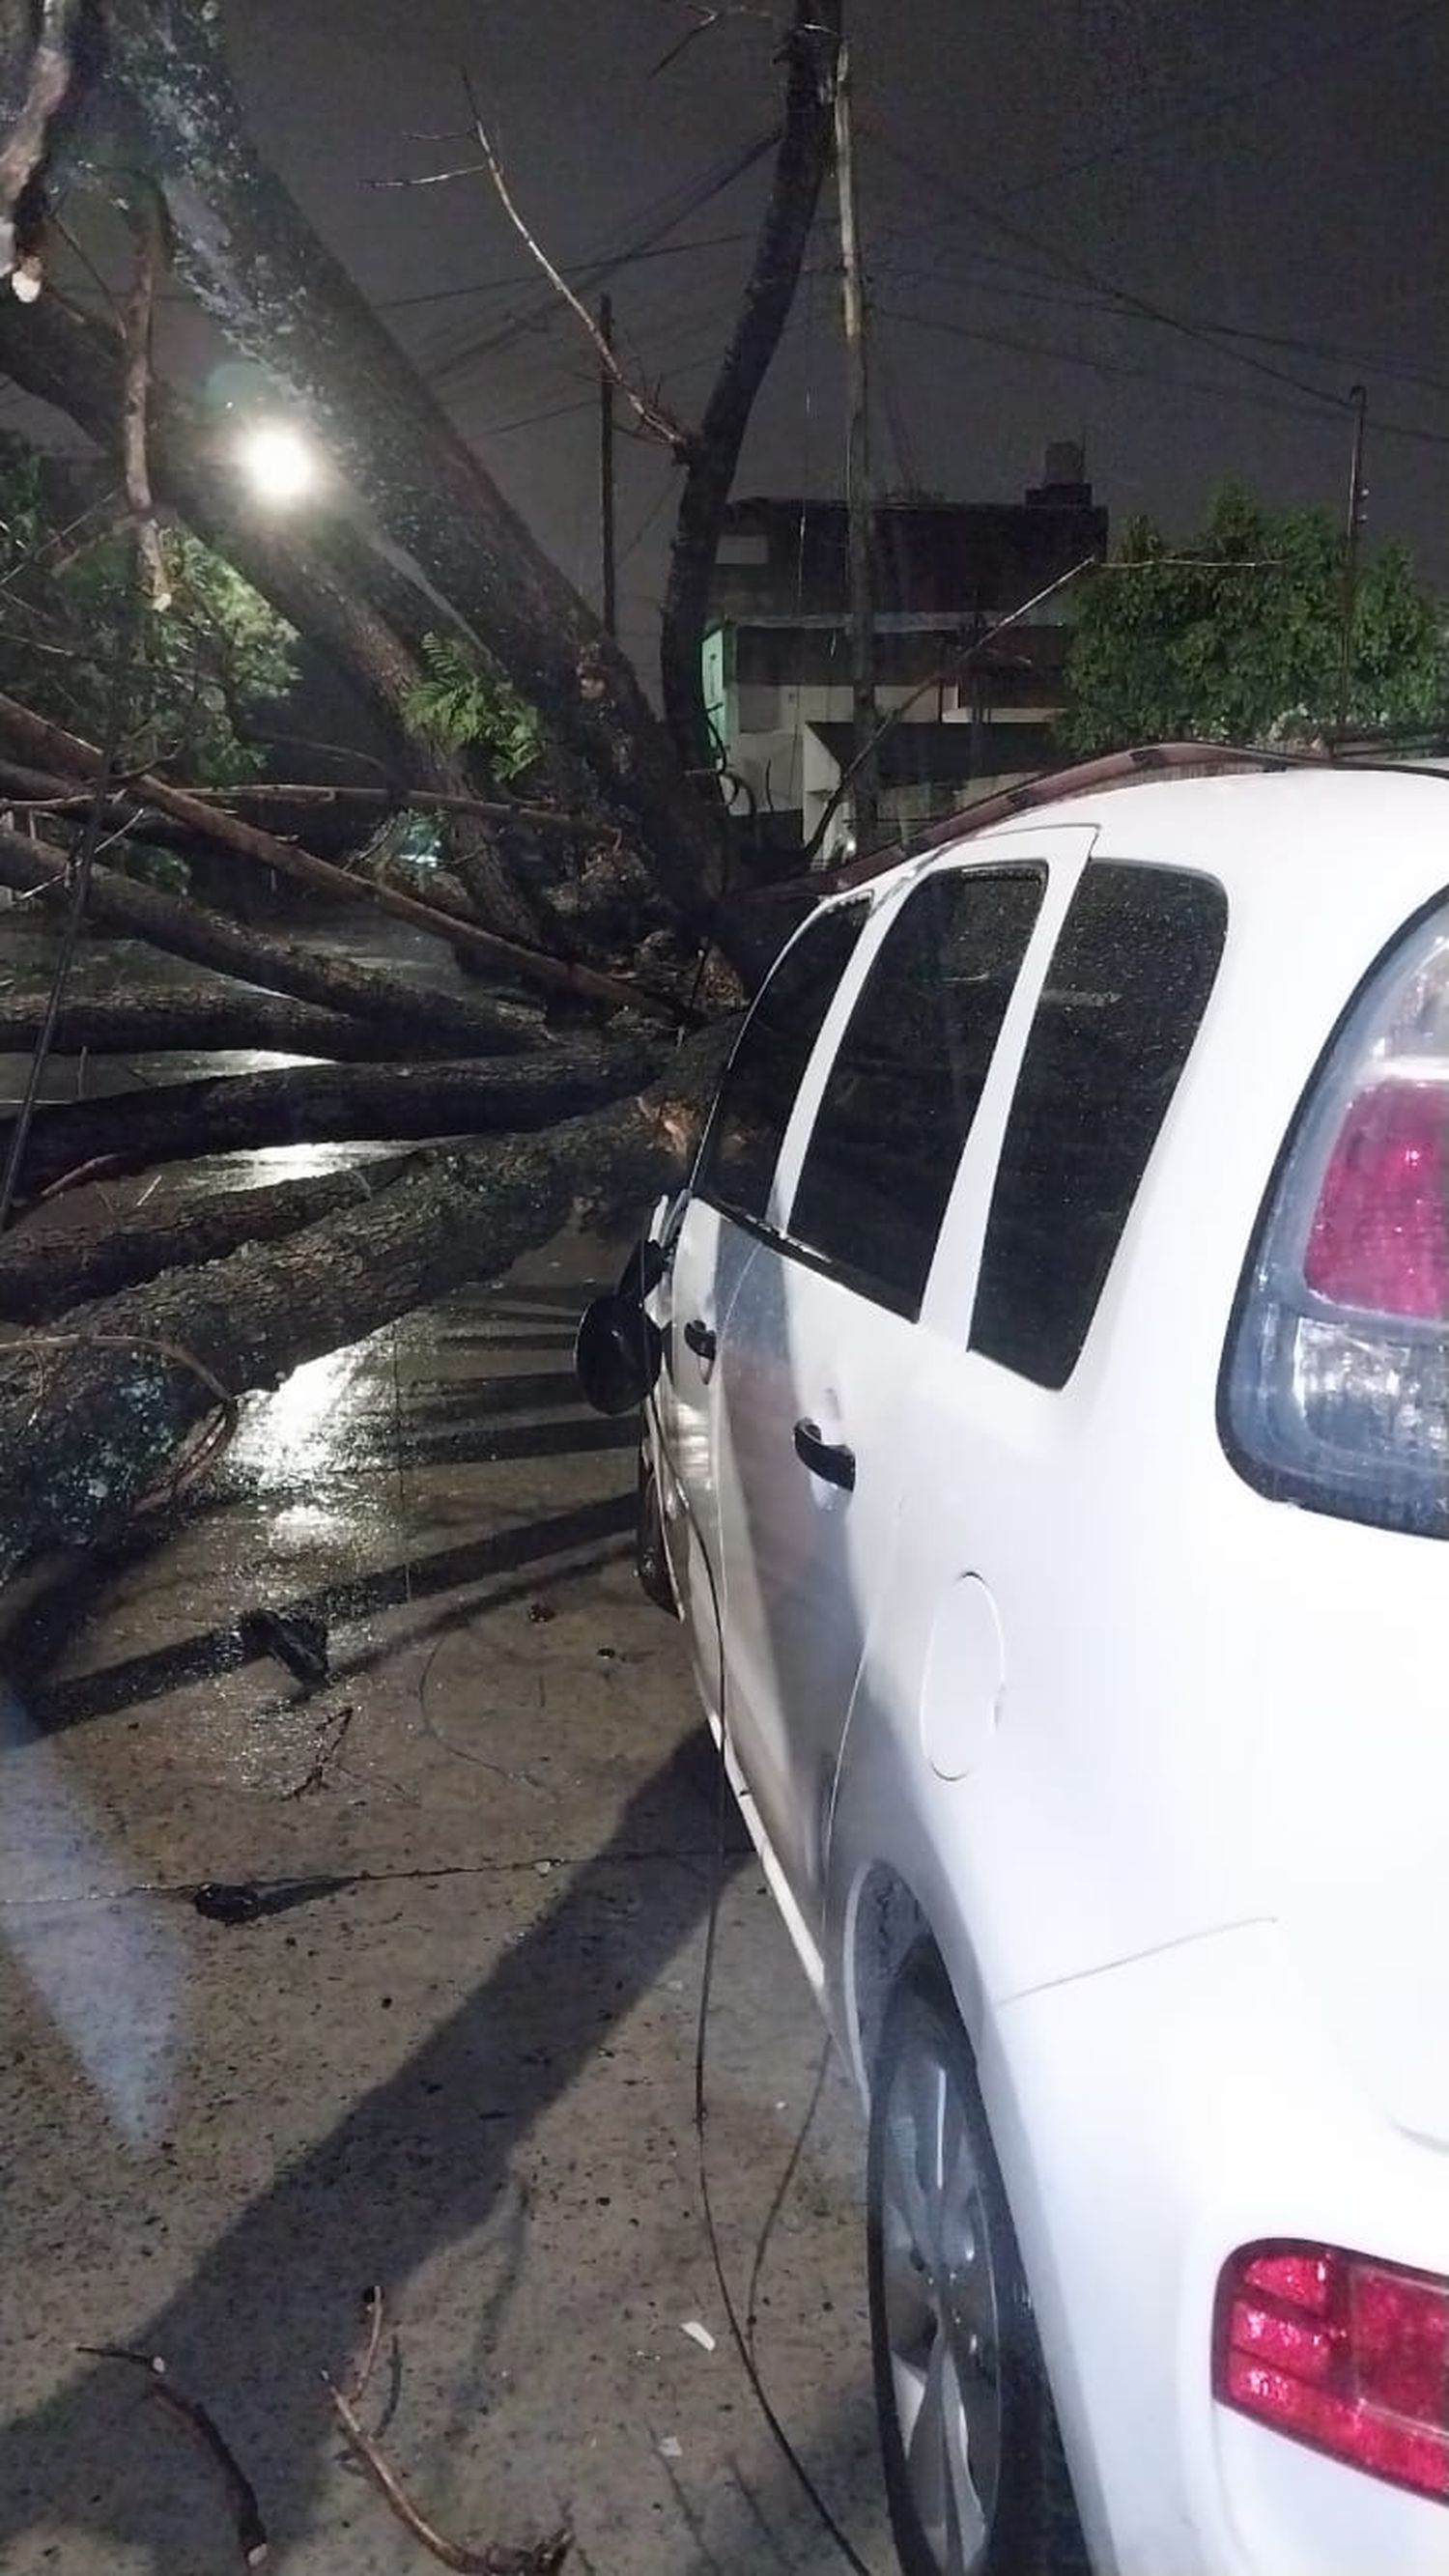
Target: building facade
{"type": "Point", "coordinates": [973, 715]}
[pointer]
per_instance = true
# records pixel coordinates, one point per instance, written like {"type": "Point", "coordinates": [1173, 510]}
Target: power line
{"type": "Point", "coordinates": [1221, 103]}
{"type": "Point", "coordinates": [1079, 270]}
{"type": "Point", "coordinates": [1153, 375]}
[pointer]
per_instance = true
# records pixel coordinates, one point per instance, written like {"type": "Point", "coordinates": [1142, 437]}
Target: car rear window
{"type": "Point", "coordinates": [1128, 986]}
{"type": "Point", "coordinates": [752, 1111]}
{"type": "Point", "coordinates": [905, 1084]}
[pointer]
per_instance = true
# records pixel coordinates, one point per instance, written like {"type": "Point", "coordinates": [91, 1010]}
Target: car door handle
{"type": "Point", "coordinates": [699, 1339]}
{"type": "Point", "coordinates": [828, 1459]}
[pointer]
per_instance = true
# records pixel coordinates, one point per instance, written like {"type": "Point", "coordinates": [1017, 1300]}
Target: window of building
{"type": "Point", "coordinates": [747, 1127]}
{"type": "Point", "coordinates": [905, 1085]}
{"type": "Point", "coordinates": [1128, 986]}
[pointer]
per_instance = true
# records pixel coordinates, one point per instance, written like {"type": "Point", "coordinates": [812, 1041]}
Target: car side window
{"type": "Point", "coordinates": [757, 1095]}
{"type": "Point", "coordinates": [1128, 985]}
{"type": "Point", "coordinates": [905, 1084]}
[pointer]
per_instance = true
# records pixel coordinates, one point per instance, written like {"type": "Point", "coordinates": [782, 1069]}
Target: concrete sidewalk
{"type": "Point", "coordinates": [452, 2054]}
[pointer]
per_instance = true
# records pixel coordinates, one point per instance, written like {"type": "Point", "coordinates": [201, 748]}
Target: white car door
{"type": "Point", "coordinates": [822, 1352]}
{"type": "Point", "coordinates": [975, 1761]}
{"type": "Point", "coordinates": [726, 1209]}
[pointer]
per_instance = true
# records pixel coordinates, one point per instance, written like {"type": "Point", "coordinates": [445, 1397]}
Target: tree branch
{"type": "Point", "coordinates": [661, 423]}
{"type": "Point", "coordinates": [135, 409]}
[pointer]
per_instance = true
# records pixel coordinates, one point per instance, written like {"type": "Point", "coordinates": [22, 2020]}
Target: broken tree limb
{"type": "Point", "coordinates": [202, 1019]}
{"type": "Point", "coordinates": [56, 750]}
{"type": "Point", "coordinates": [136, 408]}
{"type": "Point", "coordinates": [129, 1131]}
{"type": "Point", "coordinates": [43, 1274]}
{"type": "Point", "coordinates": [206, 938]}
{"type": "Point", "coordinates": [92, 1417]}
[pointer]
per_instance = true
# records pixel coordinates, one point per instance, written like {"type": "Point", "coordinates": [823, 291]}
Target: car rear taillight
{"type": "Point", "coordinates": [1346, 2354]}
{"type": "Point", "coordinates": [1337, 1381]}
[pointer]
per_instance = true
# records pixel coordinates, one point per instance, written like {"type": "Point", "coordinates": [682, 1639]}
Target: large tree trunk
{"type": "Point", "coordinates": [319, 1104]}
{"type": "Point", "coordinates": [42, 1273]}
{"type": "Point", "coordinates": [398, 1010]}
{"type": "Point", "coordinates": [251, 258]}
{"type": "Point", "coordinates": [201, 1019]}
{"type": "Point", "coordinates": [92, 1414]}
{"type": "Point", "coordinates": [804, 156]}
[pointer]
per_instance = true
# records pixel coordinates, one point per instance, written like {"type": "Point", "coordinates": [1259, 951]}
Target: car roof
{"type": "Point", "coordinates": [1364, 832]}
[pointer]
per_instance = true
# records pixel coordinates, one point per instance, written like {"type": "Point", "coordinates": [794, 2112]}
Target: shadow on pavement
{"type": "Point", "coordinates": [415, 2166]}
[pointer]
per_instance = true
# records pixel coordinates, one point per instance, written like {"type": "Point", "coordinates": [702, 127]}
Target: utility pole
{"type": "Point", "coordinates": [1357, 497]}
{"type": "Point", "coordinates": [606, 475]}
{"type": "Point", "coordinates": [865, 787]}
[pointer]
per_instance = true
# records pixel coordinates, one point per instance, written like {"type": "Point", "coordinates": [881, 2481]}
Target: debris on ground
{"type": "Point", "coordinates": [538, 2558]}
{"type": "Point", "coordinates": [295, 1638]}
{"type": "Point", "coordinates": [251, 2531]}
{"type": "Point", "coordinates": [699, 2334]}
{"type": "Point", "coordinates": [331, 1738]}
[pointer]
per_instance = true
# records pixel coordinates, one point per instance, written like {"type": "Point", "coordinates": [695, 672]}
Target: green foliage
{"type": "Point", "coordinates": [1243, 643]}
{"type": "Point", "coordinates": [203, 667]}
{"type": "Point", "coordinates": [465, 707]}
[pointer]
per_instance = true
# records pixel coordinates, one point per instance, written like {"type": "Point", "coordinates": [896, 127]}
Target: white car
{"type": "Point", "coordinates": [1051, 1458]}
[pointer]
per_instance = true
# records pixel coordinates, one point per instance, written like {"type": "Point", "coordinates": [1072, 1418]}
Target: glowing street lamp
{"type": "Point", "coordinates": [278, 462]}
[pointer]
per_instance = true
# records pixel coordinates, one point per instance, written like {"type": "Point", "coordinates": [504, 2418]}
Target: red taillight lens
{"type": "Point", "coordinates": [1346, 2354]}
{"type": "Point", "coordinates": [1379, 1240]}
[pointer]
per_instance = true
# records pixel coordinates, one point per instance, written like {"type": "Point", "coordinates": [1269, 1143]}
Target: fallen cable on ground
{"type": "Point", "coordinates": [251, 2531]}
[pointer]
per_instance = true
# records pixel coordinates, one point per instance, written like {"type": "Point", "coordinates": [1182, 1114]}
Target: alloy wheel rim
{"type": "Point", "coordinates": [940, 2308]}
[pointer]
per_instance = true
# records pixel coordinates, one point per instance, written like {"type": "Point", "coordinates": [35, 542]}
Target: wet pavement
{"type": "Point", "coordinates": [451, 2054]}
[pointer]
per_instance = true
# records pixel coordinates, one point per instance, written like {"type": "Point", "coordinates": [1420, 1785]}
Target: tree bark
{"type": "Point", "coordinates": [42, 1273]}
{"type": "Point", "coordinates": [129, 1131]}
{"type": "Point", "coordinates": [92, 1415]}
{"type": "Point", "coordinates": [255, 264]}
{"type": "Point", "coordinates": [399, 1010]}
{"type": "Point", "coordinates": [203, 1019]}
{"type": "Point", "coordinates": [801, 165]}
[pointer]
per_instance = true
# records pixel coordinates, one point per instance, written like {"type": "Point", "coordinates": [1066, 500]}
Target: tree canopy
{"type": "Point", "coordinates": [1235, 634]}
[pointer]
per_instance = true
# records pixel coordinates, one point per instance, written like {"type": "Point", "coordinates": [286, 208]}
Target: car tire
{"type": "Point", "coordinates": [975, 2477]}
{"type": "Point", "coordinates": [651, 1558]}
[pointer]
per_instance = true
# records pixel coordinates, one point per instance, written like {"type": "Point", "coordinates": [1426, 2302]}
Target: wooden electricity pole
{"type": "Point", "coordinates": [607, 491]}
{"type": "Point", "coordinates": [1353, 530]}
{"type": "Point", "coordinates": [865, 774]}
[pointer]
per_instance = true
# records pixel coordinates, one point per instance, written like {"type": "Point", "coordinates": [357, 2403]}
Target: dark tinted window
{"type": "Point", "coordinates": [904, 1087]}
{"type": "Point", "coordinates": [758, 1092]}
{"type": "Point", "coordinates": [1128, 986]}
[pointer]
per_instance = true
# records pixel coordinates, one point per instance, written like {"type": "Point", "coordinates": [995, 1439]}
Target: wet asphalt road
{"type": "Point", "coordinates": [452, 2055]}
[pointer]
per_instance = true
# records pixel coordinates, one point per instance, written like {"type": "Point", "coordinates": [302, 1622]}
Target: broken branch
{"type": "Point", "coordinates": [251, 2531]}
{"type": "Point", "coordinates": [653, 415]}
{"type": "Point", "coordinates": [541, 2559]}
{"type": "Point", "coordinates": [52, 65]}
{"type": "Point", "coordinates": [136, 405]}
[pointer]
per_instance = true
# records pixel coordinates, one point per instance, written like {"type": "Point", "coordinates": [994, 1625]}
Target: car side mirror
{"type": "Point", "coordinates": [618, 1352]}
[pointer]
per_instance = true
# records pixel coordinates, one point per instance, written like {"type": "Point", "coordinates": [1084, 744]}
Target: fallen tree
{"type": "Point", "coordinates": [186, 929]}
{"type": "Point", "coordinates": [130, 1131]}
{"type": "Point", "coordinates": [43, 1273]}
{"type": "Point", "coordinates": [94, 1412]}
{"type": "Point", "coordinates": [195, 1019]}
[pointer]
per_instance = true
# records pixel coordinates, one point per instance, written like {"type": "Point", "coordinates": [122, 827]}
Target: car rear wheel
{"type": "Point", "coordinates": [975, 2478]}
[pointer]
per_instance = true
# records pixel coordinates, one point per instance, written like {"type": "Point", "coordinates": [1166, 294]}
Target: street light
{"type": "Point", "coordinates": [278, 462]}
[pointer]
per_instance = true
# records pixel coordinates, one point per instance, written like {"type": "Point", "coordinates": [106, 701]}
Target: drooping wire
{"type": "Point", "coordinates": [81, 870]}
{"type": "Point", "coordinates": [741, 2329]}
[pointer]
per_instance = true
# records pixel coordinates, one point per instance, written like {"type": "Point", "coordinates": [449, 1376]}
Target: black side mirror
{"type": "Point", "coordinates": [617, 1354]}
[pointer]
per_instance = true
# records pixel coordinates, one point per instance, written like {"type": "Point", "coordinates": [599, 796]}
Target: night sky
{"type": "Point", "coordinates": [1248, 165]}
